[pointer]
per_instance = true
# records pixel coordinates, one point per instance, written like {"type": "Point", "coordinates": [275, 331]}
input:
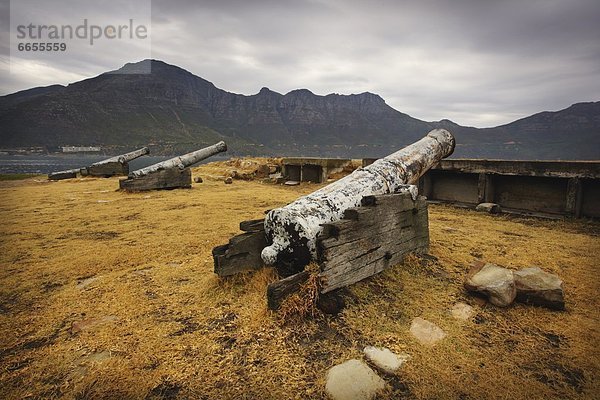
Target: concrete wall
{"type": "Point", "coordinates": [535, 187]}
{"type": "Point", "coordinates": [590, 205]}
{"type": "Point", "coordinates": [309, 169]}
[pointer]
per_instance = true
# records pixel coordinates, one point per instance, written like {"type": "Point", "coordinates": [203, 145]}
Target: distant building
{"type": "Point", "coordinates": [80, 149]}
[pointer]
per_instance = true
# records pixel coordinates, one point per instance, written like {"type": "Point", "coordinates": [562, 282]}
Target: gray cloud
{"type": "Point", "coordinates": [480, 63]}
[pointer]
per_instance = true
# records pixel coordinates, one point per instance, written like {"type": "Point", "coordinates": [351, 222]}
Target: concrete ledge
{"type": "Point", "coordinates": [540, 188]}
{"type": "Point", "coordinates": [558, 169]}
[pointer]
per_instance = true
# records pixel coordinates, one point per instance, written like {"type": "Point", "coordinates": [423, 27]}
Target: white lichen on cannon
{"type": "Point", "coordinates": [293, 229]}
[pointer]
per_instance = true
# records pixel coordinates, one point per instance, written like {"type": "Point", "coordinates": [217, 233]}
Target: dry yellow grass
{"type": "Point", "coordinates": [106, 294]}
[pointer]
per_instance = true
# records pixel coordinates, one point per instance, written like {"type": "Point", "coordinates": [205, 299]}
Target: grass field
{"type": "Point", "coordinates": [107, 294]}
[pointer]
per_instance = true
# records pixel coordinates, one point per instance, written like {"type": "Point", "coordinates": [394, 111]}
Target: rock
{"type": "Point", "coordinates": [353, 380]}
{"type": "Point", "coordinates": [426, 332]}
{"type": "Point", "coordinates": [491, 208]}
{"type": "Point", "coordinates": [462, 311]}
{"type": "Point", "coordinates": [198, 179]}
{"type": "Point", "coordinates": [384, 359]}
{"type": "Point", "coordinates": [292, 183]}
{"type": "Point", "coordinates": [535, 286]}
{"type": "Point", "coordinates": [262, 171]}
{"type": "Point", "coordinates": [495, 282]}
{"type": "Point", "coordinates": [228, 180]}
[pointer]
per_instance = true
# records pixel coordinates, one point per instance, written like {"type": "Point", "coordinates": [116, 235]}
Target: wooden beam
{"type": "Point", "coordinates": [241, 254]}
{"type": "Point", "coordinates": [278, 291]}
{"type": "Point", "coordinates": [371, 238]}
{"type": "Point", "coordinates": [171, 178]}
{"type": "Point", "coordinates": [253, 225]}
{"type": "Point", "coordinates": [107, 169]}
{"type": "Point", "coordinates": [367, 240]}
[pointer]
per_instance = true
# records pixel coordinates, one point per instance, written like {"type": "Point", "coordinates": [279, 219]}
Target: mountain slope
{"type": "Point", "coordinates": [178, 111]}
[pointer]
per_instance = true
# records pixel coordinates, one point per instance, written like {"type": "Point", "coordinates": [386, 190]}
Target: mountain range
{"type": "Point", "coordinates": [174, 111]}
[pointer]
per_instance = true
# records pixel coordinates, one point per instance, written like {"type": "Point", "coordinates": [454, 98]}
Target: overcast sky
{"type": "Point", "coordinates": [476, 62]}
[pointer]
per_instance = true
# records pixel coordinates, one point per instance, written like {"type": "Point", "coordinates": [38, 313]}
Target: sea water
{"type": "Point", "coordinates": [46, 163]}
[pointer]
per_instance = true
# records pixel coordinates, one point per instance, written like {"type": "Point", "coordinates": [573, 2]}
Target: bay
{"type": "Point", "coordinates": [46, 163]}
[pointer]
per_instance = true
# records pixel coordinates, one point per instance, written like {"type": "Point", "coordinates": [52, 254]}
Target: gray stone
{"type": "Point", "coordinates": [384, 359]}
{"type": "Point", "coordinates": [198, 179]}
{"type": "Point", "coordinates": [426, 332]}
{"type": "Point", "coordinates": [495, 282]}
{"type": "Point", "coordinates": [491, 208]}
{"type": "Point", "coordinates": [292, 183]}
{"type": "Point", "coordinates": [228, 180]}
{"type": "Point", "coordinates": [462, 311]}
{"type": "Point", "coordinates": [353, 380]}
{"type": "Point", "coordinates": [535, 286]}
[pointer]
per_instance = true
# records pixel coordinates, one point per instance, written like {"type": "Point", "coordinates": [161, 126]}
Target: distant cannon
{"type": "Point", "coordinates": [118, 165]}
{"type": "Point", "coordinates": [293, 229]}
{"type": "Point", "coordinates": [66, 174]}
{"type": "Point", "coordinates": [169, 174]}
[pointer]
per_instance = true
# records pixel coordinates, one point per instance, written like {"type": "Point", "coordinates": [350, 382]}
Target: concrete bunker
{"type": "Point", "coordinates": [309, 169]}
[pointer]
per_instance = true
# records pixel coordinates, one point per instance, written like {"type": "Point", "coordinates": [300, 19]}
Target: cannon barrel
{"type": "Point", "coordinates": [293, 229]}
{"type": "Point", "coordinates": [124, 158]}
{"type": "Point", "coordinates": [66, 174]}
{"type": "Point", "coordinates": [183, 161]}
{"type": "Point", "coordinates": [117, 165]}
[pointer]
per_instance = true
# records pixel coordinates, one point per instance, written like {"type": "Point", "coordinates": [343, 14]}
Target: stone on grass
{"type": "Point", "coordinates": [198, 179]}
{"type": "Point", "coordinates": [491, 208]}
{"type": "Point", "coordinates": [462, 311]}
{"type": "Point", "coordinates": [426, 332]}
{"type": "Point", "coordinates": [292, 183]}
{"type": "Point", "coordinates": [541, 288]}
{"type": "Point", "coordinates": [353, 380]}
{"type": "Point", "coordinates": [384, 359]}
{"type": "Point", "coordinates": [228, 180]}
{"type": "Point", "coordinates": [494, 282]}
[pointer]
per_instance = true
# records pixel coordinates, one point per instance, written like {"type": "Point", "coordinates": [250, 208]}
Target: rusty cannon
{"type": "Point", "coordinates": [169, 174]}
{"type": "Point", "coordinates": [292, 230]}
{"type": "Point", "coordinates": [117, 165]}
